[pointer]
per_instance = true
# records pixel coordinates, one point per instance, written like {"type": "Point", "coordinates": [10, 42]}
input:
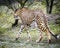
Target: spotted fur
{"type": "Point", "coordinates": [27, 16]}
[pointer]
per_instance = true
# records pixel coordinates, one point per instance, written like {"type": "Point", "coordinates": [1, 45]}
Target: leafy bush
{"type": "Point", "coordinates": [2, 30]}
{"type": "Point", "coordinates": [57, 21]}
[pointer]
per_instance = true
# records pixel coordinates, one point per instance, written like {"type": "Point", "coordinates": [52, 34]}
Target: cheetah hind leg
{"type": "Point", "coordinates": [40, 37]}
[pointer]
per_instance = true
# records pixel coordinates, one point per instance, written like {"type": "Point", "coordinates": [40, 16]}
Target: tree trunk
{"type": "Point", "coordinates": [49, 6]}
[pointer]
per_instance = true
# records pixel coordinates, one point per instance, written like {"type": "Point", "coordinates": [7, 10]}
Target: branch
{"type": "Point", "coordinates": [23, 3]}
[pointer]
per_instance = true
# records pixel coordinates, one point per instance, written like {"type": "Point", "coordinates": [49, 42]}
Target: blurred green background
{"type": "Point", "coordinates": [8, 34]}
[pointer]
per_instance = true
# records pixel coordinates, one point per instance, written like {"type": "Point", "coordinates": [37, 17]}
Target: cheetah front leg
{"type": "Point", "coordinates": [19, 33]}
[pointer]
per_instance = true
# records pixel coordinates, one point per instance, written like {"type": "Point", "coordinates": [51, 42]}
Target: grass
{"type": "Point", "coordinates": [7, 40]}
{"type": "Point", "coordinates": [55, 28]}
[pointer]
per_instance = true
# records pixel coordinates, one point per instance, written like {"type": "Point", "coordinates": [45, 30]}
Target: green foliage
{"type": "Point", "coordinates": [2, 30]}
{"type": "Point", "coordinates": [37, 5]}
{"type": "Point", "coordinates": [56, 7]}
{"type": "Point", "coordinates": [6, 19]}
{"type": "Point", "coordinates": [55, 28]}
{"type": "Point", "coordinates": [57, 21]}
{"type": "Point", "coordinates": [43, 2]}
